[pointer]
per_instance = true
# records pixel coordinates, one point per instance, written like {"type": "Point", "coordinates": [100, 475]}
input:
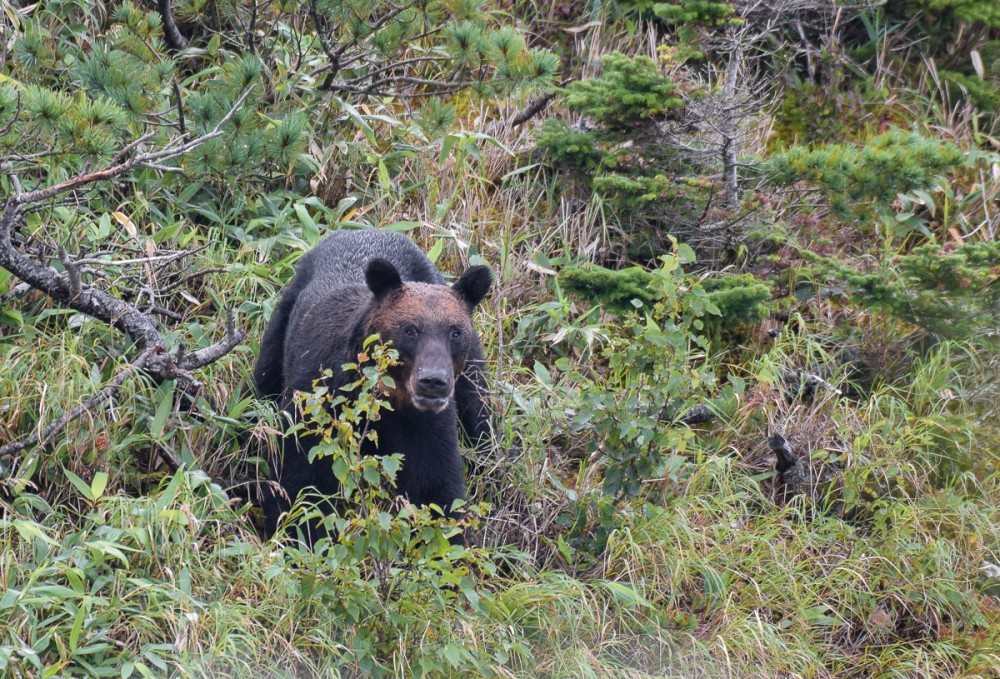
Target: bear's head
{"type": "Point", "coordinates": [431, 328]}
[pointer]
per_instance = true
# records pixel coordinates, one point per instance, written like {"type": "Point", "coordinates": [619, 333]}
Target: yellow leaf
{"type": "Point", "coordinates": [125, 221]}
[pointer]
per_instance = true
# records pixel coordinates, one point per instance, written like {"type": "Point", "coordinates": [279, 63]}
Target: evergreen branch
{"type": "Point", "coordinates": [69, 290]}
{"type": "Point", "coordinates": [17, 114]}
{"type": "Point", "coordinates": [173, 148]}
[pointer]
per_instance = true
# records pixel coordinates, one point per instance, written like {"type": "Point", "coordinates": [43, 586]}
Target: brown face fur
{"type": "Point", "coordinates": [431, 328]}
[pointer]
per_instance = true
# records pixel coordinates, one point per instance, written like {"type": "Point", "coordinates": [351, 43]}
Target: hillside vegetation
{"type": "Point", "coordinates": [742, 342]}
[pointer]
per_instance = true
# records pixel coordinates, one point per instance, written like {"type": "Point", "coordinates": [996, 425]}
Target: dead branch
{"type": "Point", "coordinates": [534, 107]}
{"type": "Point", "coordinates": [170, 31]}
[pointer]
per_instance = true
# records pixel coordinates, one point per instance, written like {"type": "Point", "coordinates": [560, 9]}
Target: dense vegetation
{"type": "Point", "coordinates": [743, 341]}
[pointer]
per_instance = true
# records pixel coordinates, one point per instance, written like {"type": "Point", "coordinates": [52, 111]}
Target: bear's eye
{"type": "Point", "coordinates": [411, 331]}
{"type": "Point", "coordinates": [456, 333]}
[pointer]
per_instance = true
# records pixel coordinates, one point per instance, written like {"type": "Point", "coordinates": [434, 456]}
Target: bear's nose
{"type": "Point", "coordinates": [433, 384]}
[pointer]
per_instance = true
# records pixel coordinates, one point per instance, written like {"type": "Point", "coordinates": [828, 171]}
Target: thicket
{"type": "Point", "coordinates": [743, 346]}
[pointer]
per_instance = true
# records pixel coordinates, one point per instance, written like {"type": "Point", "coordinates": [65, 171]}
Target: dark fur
{"type": "Point", "coordinates": [348, 285]}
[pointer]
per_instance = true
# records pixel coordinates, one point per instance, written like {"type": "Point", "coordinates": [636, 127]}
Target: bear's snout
{"type": "Point", "coordinates": [432, 388]}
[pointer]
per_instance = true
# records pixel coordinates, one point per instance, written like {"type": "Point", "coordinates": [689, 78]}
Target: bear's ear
{"type": "Point", "coordinates": [474, 285]}
{"type": "Point", "coordinates": [382, 278]}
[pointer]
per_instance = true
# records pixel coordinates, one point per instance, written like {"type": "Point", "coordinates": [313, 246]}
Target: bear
{"type": "Point", "coordinates": [352, 285]}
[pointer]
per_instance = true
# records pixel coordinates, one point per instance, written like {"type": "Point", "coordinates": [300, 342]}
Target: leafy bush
{"type": "Point", "coordinates": [654, 375]}
{"type": "Point", "coordinates": [384, 570]}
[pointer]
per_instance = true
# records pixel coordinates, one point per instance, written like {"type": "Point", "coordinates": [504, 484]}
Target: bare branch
{"type": "Point", "coordinates": [120, 156]}
{"type": "Point", "coordinates": [214, 352]}
{"type": "Point", "coordinates": [139, 260]}
{"type": "Point", "coordinates": [170, 31]}
{"type": "Point", "coordinates": [72, 273]}
{"type": "Point", "coordinates": [533, 108]}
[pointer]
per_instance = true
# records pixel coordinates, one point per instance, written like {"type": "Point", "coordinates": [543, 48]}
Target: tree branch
{"type": "Point", "coordinates": [534, 107]}
{"type": "Point", "coordinates": [171, 149]}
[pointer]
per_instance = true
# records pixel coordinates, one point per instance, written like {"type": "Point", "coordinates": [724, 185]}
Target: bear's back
{"type": "Point", "coordinates": [340, 260]}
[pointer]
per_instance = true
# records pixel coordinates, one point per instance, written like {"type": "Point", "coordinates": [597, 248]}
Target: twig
{"type": "Point", "coordinates": [533, 108]}
{"type": "Point", "coordinates": [191, 276]}
{"type": "Point", "coordinates": [180, 107]}
{"type": "Point", "coordinates": [138, 260]}
{"type": "Point", "coordinates": [214, 352]}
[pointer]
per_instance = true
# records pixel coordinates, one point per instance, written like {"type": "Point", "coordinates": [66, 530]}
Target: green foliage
{"type": "Point", "coordinates": [68, 596]}
{"type": "Point", "coordinates": [612, 290]}
{"type": "Point", "coordinates": [739, 299]}
{"type": "Point", "coordinates": [985, 94]}
{"type": "Point", "coordinates": [951, 293]}
{"type": "Point", "coordinates": [860, 182]}
{"type": "Point", "coordinates": [424, 48]}
{"type": "Point", "coordinates": [628, 166]}
{"type": "Point", "coordinates": [619, 541]}
{"type": "Point", "coordinates": [629, 91]}
{"type": "Point", "coordinates": [569, 149]}
{"type": "Point", "coordinates": [121, 87]}
{"type": "Point", "coordinates": [387, 573]}
{"type": "Point", "coordinates": [654, 374]}
{"type": "Point", "coordinates": [637, 195]}
{"type": "Point", "coordinates": [950, 11]}
{"type": "Point", "coordinates": [705, 12]}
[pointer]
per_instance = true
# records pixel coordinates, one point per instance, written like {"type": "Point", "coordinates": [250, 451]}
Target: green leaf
{"type": "Point", "coordinates": [543, 374]}
{"type": "Point", "coordinates": [164, 403]}
{"type": "Point", "coordinates": [310, 231]}
{"type": "Point", "coordinates": [98, 484]}
{"type": "Point", "coordinates": [625, 595]}
{"type": "Point", "coordinates": [401, 227]}
{"type": "Point", "coordinates": [81, 486]}
{"type": "Point", "coordinates": [447, 144]}
{"type": "Point", "coordinates": [436, 250]}
{"type": "Point", "coordinates": [390, 465]}
{"type": "Point", "coordinates": [74, 633]}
